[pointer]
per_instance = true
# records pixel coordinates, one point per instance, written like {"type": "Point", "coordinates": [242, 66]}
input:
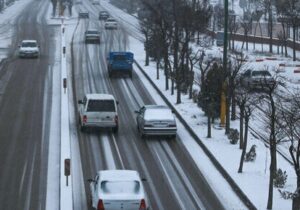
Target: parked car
{"type": "Point", "coordinates": [156, 120]}
{"type": "Point", "coordinates": [257, 79]}
{"type": "Point", "coordinates": [29, 49]}
{"type": "Point", "coordinates": [98, 110]}
{"type": "Point", "coordinates": [92, 36]}
{"type": "Point", "coordinates": [83, 14]}
{"type": "Point", "coordinates": [110, 23]}
{"type": "Point", "coordinates": [118, 190]}
{"type": "Point", "coordinates": [103, 15]}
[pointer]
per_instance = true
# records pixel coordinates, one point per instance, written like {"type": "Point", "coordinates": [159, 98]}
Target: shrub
{"type": "Point", "coordinates": [233, 135]}
{"type": "Point", "coordinates": [251, 155]}
{"type": "Point", "coordinates": [280, 178]}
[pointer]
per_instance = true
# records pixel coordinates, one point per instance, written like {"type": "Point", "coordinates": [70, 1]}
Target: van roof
{"type": "Point", "coordinates": [99, 96]}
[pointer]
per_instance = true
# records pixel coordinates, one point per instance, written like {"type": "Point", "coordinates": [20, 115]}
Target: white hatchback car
{"type": "Point", "coordinates": [29, 49]}
{"type": "Point", "coordinates": [98, 110]}
{"type": "Point", "coordinates": [111, 23]}
{"type": "Point", "coordinates": [118, 190]}
{"type": "Point", "coordinates": [156, 120]}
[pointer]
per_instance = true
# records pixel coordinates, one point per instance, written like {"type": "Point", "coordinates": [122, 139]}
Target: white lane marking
{"type": "Point", "coordinates": [170, 181]}
{"type": "Point", "coordinates": [134, 93]}
{"type": "Point", "coordinates": [183, 175]}
{"type": "Point", "coordinates": [22, 178]}
{"type": "Point", "coordinates": [108, 153]}
{"type": "Point", "coordinates": [118, 152]}
{"type": "Point", "coordinates": [27, 202]}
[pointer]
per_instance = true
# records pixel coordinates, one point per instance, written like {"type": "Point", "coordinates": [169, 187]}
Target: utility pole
{"type": "Point", "coordinates": [225, 44]}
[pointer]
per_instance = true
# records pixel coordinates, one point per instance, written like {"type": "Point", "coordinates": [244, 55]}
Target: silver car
{"type": "Point", "coordinates": [118, 190]}
{"type": "Point", "coordinates": [156, 120]}
{"type": "Point", "coordinates": [83, 14]}
{"type": "Point", "coordinates": [111, 23]}
{"type": "Point", "coordinates": [29, 48]}
{"type": "Point", "coordinates": [92, 36]}
{"type": "Point", "coordinates": [257, 79]}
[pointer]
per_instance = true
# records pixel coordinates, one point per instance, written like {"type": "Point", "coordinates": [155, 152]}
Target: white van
{"type": "Point", "coordinates": [98, 110]}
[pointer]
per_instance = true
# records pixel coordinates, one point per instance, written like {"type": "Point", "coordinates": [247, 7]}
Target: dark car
{"type": "Point", "coordinates": [83, 14]}
{"type": "Point", "coordinates": [103, 15]}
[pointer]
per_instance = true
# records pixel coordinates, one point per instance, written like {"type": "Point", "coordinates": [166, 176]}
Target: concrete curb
{"type": "Point", "coordinates": [66, 196]}
{"type": "Point", "coordinates": [219, 167]}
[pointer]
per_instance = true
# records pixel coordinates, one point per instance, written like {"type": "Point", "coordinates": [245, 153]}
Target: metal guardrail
{"type": "Point", "coordinates": [219, 167]}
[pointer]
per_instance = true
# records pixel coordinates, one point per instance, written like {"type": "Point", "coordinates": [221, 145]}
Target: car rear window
{"type": "Point", "coordinates": [120, 57]}
{"type": "Point", "coordinates": [158, 114]}
{"type": "Point", "coordinates": [28, 44]}
{"type": "Point", "coordinates": [101, 106]}
{"type": "Point", "coordinates": [92, 32]}
{"type": "Point", "coordinates": [120, 187]}
{"type": "Point", "coordinates": [261, 73]}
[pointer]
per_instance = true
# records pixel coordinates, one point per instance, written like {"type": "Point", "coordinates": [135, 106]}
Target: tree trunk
{"type": "Point", "coordinates": [208, 126]}
{"type": "Point", "coordinates": [296, 199]}
{"type": "Point", "coordinates": [233, 104]}
{"type": "Point", "coordinates": [244, 145]}
{"type": "Point", "coordinates": [157, 69]}
{"type": "Point", "coordinates": [272, 175]}
{"type": "Point", "coordinates": [294, 43]}
{"type": "Point", "coordinates": [270, 27]}
{"type": "Point", "coordinates": [167, 69]}
{"type": "Point", "coordinates": [241, 126]}
{"type": "Point", "coordinates": [147, 50]}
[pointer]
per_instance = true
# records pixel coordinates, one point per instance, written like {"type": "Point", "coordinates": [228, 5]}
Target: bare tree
{"type": "Point", "coordinates": [289, 12]}
{"type": "Point", "coordinates": [290, 119]}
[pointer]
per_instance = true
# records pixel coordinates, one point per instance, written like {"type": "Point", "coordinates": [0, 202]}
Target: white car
{"type": "Point", "coordinates": [29, 48]}
{"type": "Point", "coordinates": [110, 23]}
{"type": "Point", "coordinates": [92, 36]}
{"type": "Point", "coordinates": [83, 14]}
{"type": "Point", "coordinates": [257, 79]}
{"type": "Point", "coordinates": [99, 111]}
{"type": "Point", "coordinates": [118, 190]}
{"type": "Point", "coordinates": [156, 120]}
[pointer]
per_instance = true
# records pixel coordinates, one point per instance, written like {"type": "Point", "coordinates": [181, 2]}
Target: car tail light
{"type": "Point", "coordinates": [172, 125]}
{"type": "Point", "coordinates": [143, 205]}
{"type": "Point", "coordinates": [84, 118]}
{"type": "Point", "coordinates": [100, 205]}
{"type": "Point", "coordinates": [116, 119]}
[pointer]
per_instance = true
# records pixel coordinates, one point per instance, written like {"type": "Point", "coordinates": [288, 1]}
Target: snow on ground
{"type": "Point", "coordinates": [254, 179]}
{"type": "Point", "coordinates": [7, 20]}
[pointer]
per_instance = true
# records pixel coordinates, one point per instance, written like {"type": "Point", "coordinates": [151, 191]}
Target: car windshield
{"type": "Point", "coordinates": [92, 32]}
{"type": "Point", "coordinates": [119, 57]}
{"type": "Point", "coordinates": [122, 187]}
{"type": "Point", "coordinates": [158, 114]}
{"type": "Point", "coordinates": [101, 106]}
{"type": "Point", "coordinates": [261, 73]}
{"type": "Point", "coordinates": [28, 44]}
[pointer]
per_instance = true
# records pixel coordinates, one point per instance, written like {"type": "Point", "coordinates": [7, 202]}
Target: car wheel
{"type": "Point", "coordinates": [115, 129]}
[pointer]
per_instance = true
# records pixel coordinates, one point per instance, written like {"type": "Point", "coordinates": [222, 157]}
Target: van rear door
{"type": "Point", "coordinates": [101, 111]}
